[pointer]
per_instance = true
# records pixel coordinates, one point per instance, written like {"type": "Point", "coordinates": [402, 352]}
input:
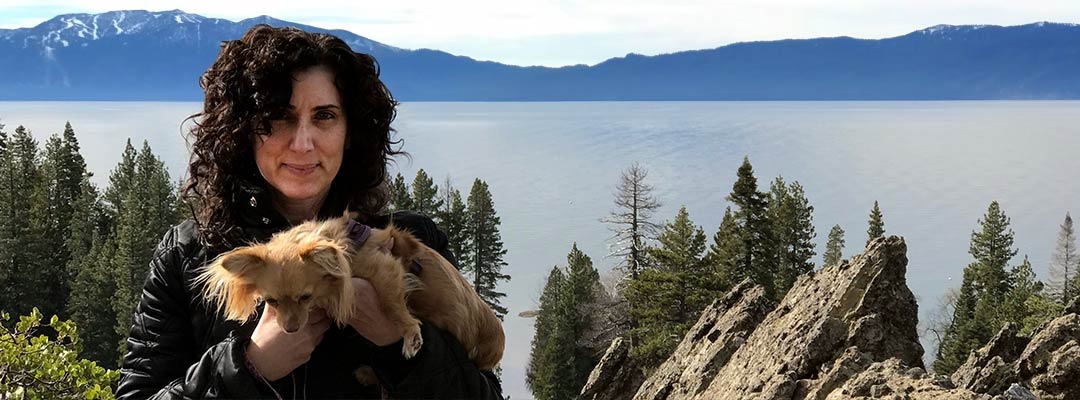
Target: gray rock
{"type": "Point", "coordinates": [1018, 392]}
{"type": "Point", "coordinates": [615, 376]}
{"type": "Point", "coordinates": [721, 329]}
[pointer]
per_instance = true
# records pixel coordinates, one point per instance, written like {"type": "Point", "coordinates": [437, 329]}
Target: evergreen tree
{"type": "Point", "coordinates": [121, 180]}
{"type": "Point", "coordinates": [791, 217]}
{"type": "Point", "coordinates": [980, 310]}
{"type": "Point", "coordinates": [756, 258]}
{"type": "Point", "coordinates": [147, 211]}
{"type": "Point", "coordinates": [962, 334]}
{"type": "Point", "coordinates": [571, 361]}
{"type": "Point", "coordinates": [725, 250]}
{"type": "Point", "coordinates": [631, 220]}
{"type": "Point", "coordinates": [877, 226]}
{"type": "Point", "coordinates": [484, 252]}
{"type": "Point", "coordinates": [425, 194]}
{"type": "Point", "coordinates": [1027, 303]}
{"type": "Point", "coordinates": [400, 198]}
{"type": "Point", "coordinates": [21, 202]}
{"type": "Point", "coordinates": [63, 170]}
{"type": "Point", "coordinates": [1064, 264]}
{"type": "Point", "coordinates": [834, 249]}
{"type": "Point", "coordinates": [667, 300]}
{"type": "Point", "coordinates": [94, 282]}
{"type": "Point", "coordinates": [541, 371]}
{"type": "Point", "coordinates": [681, 245]}
{"type": "Point", "coordinates": [451, 218]}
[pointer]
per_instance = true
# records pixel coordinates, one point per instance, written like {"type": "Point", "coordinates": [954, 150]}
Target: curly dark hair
{"type": "Point", "coordinates": [248, 85]}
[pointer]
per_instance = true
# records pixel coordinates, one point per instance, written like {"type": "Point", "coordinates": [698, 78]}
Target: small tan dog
{"type": "Point", "coordinates": [310, 265]}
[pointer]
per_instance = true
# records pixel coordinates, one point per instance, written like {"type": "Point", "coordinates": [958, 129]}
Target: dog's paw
{"type": "Point", "coordinates": [413, 342]}
{"type": "Point", "coordinates": [366, 376]}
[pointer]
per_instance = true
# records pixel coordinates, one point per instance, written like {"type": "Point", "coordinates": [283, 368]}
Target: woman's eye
{"type": "Point", "coordinates": [324, 115]}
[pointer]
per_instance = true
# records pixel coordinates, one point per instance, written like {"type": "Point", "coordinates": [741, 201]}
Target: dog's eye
{"type": "Point", "coordinates": [305, 297]}
{"type": "Point", "coordinates": [271, 301]}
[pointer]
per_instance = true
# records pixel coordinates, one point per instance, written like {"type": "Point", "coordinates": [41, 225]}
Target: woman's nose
{"type": "Point", "coordinates": [303, 138]}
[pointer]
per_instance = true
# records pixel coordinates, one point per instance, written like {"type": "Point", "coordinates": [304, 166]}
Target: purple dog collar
{"type": "Point", "coordinates": [359, 233]}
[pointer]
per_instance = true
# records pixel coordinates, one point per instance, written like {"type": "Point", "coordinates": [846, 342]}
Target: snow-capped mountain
{"type": "Point", "coordinates": [170, 26]}
{"type": "Point", "coordinates": [143, 55]}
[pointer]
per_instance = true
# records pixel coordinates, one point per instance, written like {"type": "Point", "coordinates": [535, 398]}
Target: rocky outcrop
{"type": "Point", "coordinates": [1048, 363]}
{"type": "Point", "coordinates": [721, 330]}
{"type": "Point", "coordinates": [615, 376]}
{"type": "Point", "coordinates": [848, 332]}
{"type": "Point", "coordinates": [863, 303]}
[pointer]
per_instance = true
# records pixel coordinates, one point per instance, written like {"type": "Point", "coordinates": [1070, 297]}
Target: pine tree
{"type": "Point", "coordinates": [1064, 264]}
{"type": "Point", "coordinates": [121, 180]}
{"type": "Point", "coordinates": [757, 258]}
{"type": "Point", "coordinates": [451, 218]}
{"type": "Point", "coordinates": [63, 170]}
{"type": "Point", "coordinates": [791, 217]}
{"type": "Point", "coordinates": [877, 226]}
{"type": "Point", "coordinates": [93, 282]}
{"type": "Point", "coordinates": [1027, 303]}
{"type": "Point", "coordinates": [681, 245]}
{"type": "Point", "coordinates": [568, 362]}
{"type": "Point", "coordinates": [484, 252]}
{"type": "Point", "coordinates": [961, 335]}
{"type": "Point", "coordinates": [21, 201]}
{"type": "Point", "coordinates": [980, 310]}
{"type": "Point", "coordinates": [146, 213]}
{"type": "Point", "coordinates": [425, 194]}
{"type": "Point", "coordinates": [725, 250]}
{"type": "Point", "coordinates": [668, 299]}
{"type": "Point", "coordinates": [541, 371]}
{"type": "Point", "coordinates": [400, 197]}
{"type": "Point", "coordinates": [631, 220]}
{"type": "Point", "coordinates": [834, 249]}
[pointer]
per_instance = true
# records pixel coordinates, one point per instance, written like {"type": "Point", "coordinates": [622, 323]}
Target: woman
{"type": "Point", "coordinates": [295, 126]}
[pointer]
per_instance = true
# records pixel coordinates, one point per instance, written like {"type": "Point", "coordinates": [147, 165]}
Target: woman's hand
{"type": "Point", "coordinates": [274, 353]}
{"type": "Point", "coordinates": [370, 321]}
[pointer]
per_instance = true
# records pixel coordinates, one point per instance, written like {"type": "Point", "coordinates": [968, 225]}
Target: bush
{"type": "Point", "coordinates": [47, 366]}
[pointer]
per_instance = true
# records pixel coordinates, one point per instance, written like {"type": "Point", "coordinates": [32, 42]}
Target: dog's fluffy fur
{"type": "Point", "coordinates": [311, 264]}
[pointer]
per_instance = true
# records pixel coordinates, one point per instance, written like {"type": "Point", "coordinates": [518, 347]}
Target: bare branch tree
{"type": "Point", "coordinates": [932, 330]}
{"type": "Point", "coordinates": [630, 221]}
{"type": "Point", "coordinates": [1063, 265]}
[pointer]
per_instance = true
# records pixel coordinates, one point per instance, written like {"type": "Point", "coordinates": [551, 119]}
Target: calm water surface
{"type": "Point", "coordinates": [552, 168]}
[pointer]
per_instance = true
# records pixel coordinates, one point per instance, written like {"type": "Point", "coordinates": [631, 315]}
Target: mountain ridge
{"type": "Point", "coordinates": [159, 55]}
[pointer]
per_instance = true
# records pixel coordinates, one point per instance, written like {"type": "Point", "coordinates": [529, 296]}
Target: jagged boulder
{"type": "Point", "coordinates": [988, 370]}
{"type": "Point", "coordinates": [863, 303]}
{"type": "Point", "coordinates": [615, 377]}
{"type": "Point", "coordinates": [1048, 363]}
{"type": "Point", "coordinates": [721, 330]}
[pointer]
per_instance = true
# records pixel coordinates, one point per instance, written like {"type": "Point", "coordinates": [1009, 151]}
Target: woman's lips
{"type": "Point", "coordinates": [301, 169]}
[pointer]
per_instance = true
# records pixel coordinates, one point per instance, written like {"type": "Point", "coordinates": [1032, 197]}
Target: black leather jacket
{"type": "Point", "coordinates": [179, 348]}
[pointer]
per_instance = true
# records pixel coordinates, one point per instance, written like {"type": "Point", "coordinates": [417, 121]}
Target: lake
{"type": "Point", "coordinates": [552, 168]}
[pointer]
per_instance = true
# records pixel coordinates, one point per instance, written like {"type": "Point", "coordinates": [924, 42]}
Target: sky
{"type": "Point", "coordinates": [568, 32]}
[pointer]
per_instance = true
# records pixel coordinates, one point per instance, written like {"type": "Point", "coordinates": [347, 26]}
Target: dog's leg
{"type": "Point", "coordinates": [389, 279]}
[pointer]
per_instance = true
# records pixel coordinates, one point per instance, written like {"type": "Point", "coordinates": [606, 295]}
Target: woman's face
{"type": "Point", "coordinates": [303, 152]}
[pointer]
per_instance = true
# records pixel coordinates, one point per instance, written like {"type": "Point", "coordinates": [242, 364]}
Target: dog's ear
{"type": "Point", "coordinates": [242, 262]}
{"type": "Point", "coordinates": [388, 246]}
{"type": "Point", "coordinates": [229, 282]}
{"type": "Point", "coordinates": [328, 256]}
